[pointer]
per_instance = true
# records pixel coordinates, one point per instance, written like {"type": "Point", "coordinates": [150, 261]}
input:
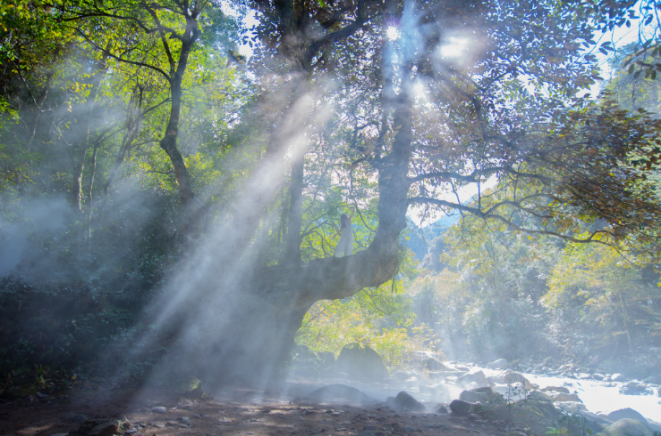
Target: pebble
{"type": "Point", "coordinates": [159, 409]}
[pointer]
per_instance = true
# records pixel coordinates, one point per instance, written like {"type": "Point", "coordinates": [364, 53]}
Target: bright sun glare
{"type": "Point", "coordinates": [454, 48]}
{"type": "Point", "coordinates": [392, 33]}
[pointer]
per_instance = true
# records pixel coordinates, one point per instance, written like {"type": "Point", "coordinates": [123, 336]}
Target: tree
{"type": "Point", "coordinates": [438, 122]}
{"type": "Point", "coordinates": [160, 37]}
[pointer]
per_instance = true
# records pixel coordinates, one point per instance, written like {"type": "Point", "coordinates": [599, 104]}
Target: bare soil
{"type": "Point", "coordinates": [239, 412]}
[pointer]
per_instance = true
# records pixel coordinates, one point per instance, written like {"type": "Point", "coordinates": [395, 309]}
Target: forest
{"type": "Point", "coordinates": [173, 175]}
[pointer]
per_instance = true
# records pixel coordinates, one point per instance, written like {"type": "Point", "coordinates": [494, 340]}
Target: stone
{"type": "Point", "coordinates": [627, 427]}
{"type": "Point", "coordinates": [598, 376]}
{"type": "Point", "coordinates": [655, 380]}
{"type": "Point", "coordinates": [480, 395]}
{"type": "Point", "coordinates": [77, 418]}
{"type": "Point", "coordinates": [404, 401]}
{"type": "Point", "coordinates": [409, 429]}
{"type": "Point", "coordinates": [473, 377]}
{"type": "Point", "coordinates": [627, 413]}
{"type": "Point", "coordinates": [361, 362]}
{"type": "Point", "coordinates": [431, 364]}
{"type": "Point", "coordinates": [562, 396]}
{"type": "Point", "coordinates": [498, 364]}
{"type": "Point", "coordinates": [338, 393]}
{"type": "Point", "coordinates": [538, 396]}
{"type": "Point", "coordinates": [512, 377]}
{"type": "Point", "coordinates": [556, 389]}
{"type": "Point", "coordinates": [570, 406]}
{"type": "Point", "coordinates": [98, 428]}
{"type": "Point", "coordinates": [658, 391]}
{"type": "Point", "coordinates": [441, 410]}
{"type": "Point", "coordinates": [159, 409]}
{"type": "Point", "coordinates": [60, 434]}
{"type": "Point", "coordinates": [460, 407]}
{"type": "Point", "coordinates": [190, 387]}
{"type": "Point", "coordinates": [618, 378]}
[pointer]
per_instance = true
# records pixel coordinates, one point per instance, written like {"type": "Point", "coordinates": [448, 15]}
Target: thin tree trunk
{"type": "Point", "coordinates": [81, 150]}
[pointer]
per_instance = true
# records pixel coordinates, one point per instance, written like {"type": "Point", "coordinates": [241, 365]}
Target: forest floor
{"type": "Point", "coordinates": [240, 413]}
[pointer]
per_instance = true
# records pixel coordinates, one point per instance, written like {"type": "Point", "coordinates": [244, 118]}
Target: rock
{"type": "Point", "coordinates": [361, 362]}
{"type": "Point", "coordinates": [60, 434]}
{"type": "Point", "coordinates": [404, 401]}
{"type": "Point", "coordinates": [538, 396]}
{"type": "Point", "coordinates": [473, 377]}
{"type": "Point", "coordinates": [627, 413]}
{"type": "Point", "coordinates": [191, 387]}
{"type": "Point", "coordinates": [658, 391]}
{"type": "Point", "coordinates": [561, 396]}
{"type": "Point", "coordinates": [409, 429]}
{"type": "Point", "coordinates": [432, 364]}
{"type": "Point", "coordinates": [98, 428]}
{"type": "Point", "coordinates": [498, 364]}
{"type": "Point", "coordinates": [460, 407]}
{"type": "Point", "coordinates": [159, 409]}
{"type": "Point", "coordinates": [441, 410]}
{"type": "Point", "coordinates": [618, 378]}
{"type": "Point", "coordinates": [481, 395]}
{"type": "Point", "coordinates": [556, 389]}
{"type": "Point", "coordinates": [512, 377]}
{"type": "Point", "coordinates": [570, 406]}
{"type": "Point", "coordinates": [655, 380]}
{"type": "Point", "coordinates": [598, 376]}
{"type": "Point", "coordinates": [627, 427]}
{"type": "Point", "coordinates": [339, 393]}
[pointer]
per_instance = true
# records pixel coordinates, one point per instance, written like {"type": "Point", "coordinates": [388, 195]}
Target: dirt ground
{"type": "Point", "coordinates": [240, 413]}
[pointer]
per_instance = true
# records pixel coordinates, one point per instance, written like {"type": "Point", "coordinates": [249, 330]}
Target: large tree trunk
{"type": "Point", "coordinates": [242, 326]}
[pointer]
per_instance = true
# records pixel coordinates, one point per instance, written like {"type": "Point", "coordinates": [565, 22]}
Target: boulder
{"type": "Point", "coordinates": [561, 396]}
{"type": "Point", "coordinates": [556, 389]}
{"type": "Point", "coordinates": [473, 396]}
{"type": "Point", "coordinates": [98, 428]}
{"type": "Point", "coordinates": [473, 377]}
{"type": "Point", "coordinates": [512, 377]}
{"type": "Point", "coordinates": [460, 407]}
{"type": "Point", "coordinates": [627, 413]}
{"type": "Point", "coordinates": [655, 380]}
{"type": "Point", "coordinates": [571, 407]}
{"type": "Point", "coordinates": [404, 401]}
{"type": "Point", "coordinates": [361, 362]}
{"type": "Point", "coordinates": [618, 378]}
{"type": "Point", "coordinates": [441, 410]}
{"type": "Point", "coordinates": [191, 387]}
{"type": "Point", "coordinates": [627, 427]}
{"type": "Point", "coordinates": [538, 396]}
{"type": "Point", "coordinates": [498, 364]}
{"type": "Point", "coordinates": [431, 364]}
{"type": "Point", "coordinates": [339, 393]}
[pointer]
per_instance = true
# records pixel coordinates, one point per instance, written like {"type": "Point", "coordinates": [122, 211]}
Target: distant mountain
{"type": "Point", "coordinates": [420, 238]}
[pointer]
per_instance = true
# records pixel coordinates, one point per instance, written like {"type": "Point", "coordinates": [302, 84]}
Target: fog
{"type": "Point", "coordinates": [170, 208]}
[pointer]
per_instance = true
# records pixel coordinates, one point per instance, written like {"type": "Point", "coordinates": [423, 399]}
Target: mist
{"type": "Point", "coordinates": [399, 207]}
